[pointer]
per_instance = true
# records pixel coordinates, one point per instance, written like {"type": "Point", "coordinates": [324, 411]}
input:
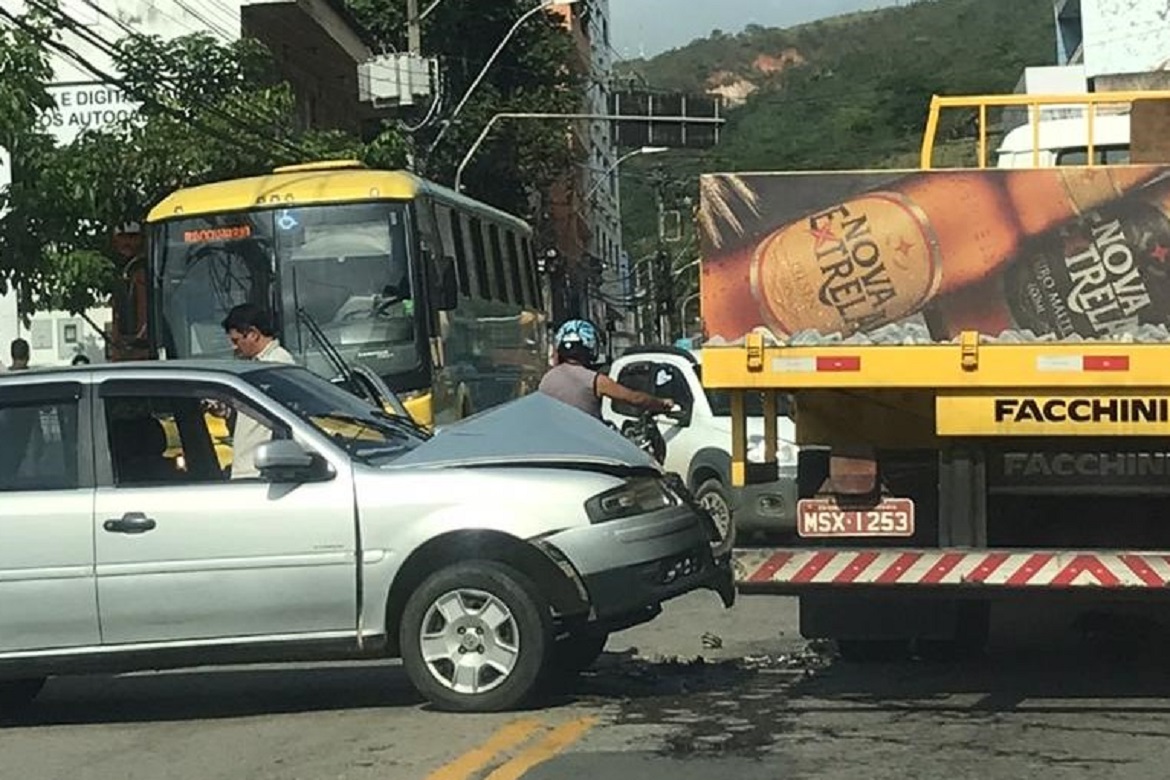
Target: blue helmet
{"type": "Point", "coordinates": [577, 340]}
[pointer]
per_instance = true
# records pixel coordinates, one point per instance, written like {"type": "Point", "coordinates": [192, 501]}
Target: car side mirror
{"type": "Point", "coordinates": [445, 294]}
{"type": "Point", "coordinates": [285, 460]}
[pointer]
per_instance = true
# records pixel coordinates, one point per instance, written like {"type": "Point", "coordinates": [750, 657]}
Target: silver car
{"type": "Point", "coordinates": [166, 514]}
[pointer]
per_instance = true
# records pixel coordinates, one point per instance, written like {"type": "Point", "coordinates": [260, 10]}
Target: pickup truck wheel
{"type": "Point", "coordinates": [16, 695]}
{"type": "Point", "coordinates": [712, 496]}
{"type": "Point", "coordinates": [475, 637]}
{"type": "Point", "coordinates": [577, 652]}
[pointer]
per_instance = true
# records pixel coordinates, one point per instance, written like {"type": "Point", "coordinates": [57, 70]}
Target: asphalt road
{"type": "Point", "coordinates": [700, 693]}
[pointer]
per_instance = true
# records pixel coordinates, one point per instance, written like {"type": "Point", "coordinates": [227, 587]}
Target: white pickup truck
{"type": "Point", "coordinates": [697, 443]}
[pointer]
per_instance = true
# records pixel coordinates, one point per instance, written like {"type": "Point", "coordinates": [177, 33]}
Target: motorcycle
{"type": "Point", "coordinates": [643, 431]}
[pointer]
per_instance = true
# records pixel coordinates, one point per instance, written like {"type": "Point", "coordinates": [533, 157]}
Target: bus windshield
{"type": "Point", "coordinates": [345, 266]}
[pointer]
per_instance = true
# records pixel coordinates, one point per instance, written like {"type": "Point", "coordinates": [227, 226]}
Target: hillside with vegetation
{"type": "Point", "coordinates": [842, 93]}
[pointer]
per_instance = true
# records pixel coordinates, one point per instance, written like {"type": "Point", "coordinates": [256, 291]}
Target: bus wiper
{"type": "Point", "coordinates": [368, 382]}
{"type": "Point", "coordinates": [326, 346]}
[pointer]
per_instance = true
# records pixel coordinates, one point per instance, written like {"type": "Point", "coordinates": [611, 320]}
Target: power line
{"type": "Point", "coordinates": [78, 59]}
{"type": "Point", "coordinates": [226, 30]}
{"type": "Point", "coordinates": [110, 49]}
{"type": "Point", "coordinates": [225, 34]}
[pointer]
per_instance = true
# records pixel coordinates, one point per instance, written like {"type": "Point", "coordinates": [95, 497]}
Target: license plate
{"type": "Point", "coordinates": [820, 518]}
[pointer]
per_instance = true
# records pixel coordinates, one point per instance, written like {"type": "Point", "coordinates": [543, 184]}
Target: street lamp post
{"type": "Point", "coordinates": [605, 176]}
{"type": "Point", "coordinates": [531, 12]}
{"type": "Point", "coordinates": [487, 129]}
{"type": "Point", "coordinates": [618, 195]}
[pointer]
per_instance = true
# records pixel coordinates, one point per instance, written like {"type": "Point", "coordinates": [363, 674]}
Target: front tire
{"type": "Point", "coordinates": [712, 496]}
{"type": "Point", "coordinates": [475, 637]}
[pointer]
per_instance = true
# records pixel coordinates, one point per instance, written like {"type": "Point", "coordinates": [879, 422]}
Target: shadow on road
{"type": "Point", "coordinates": [1113, 659]}
{"type": "Point", "coordinates": [1042, 660]}
{"type": "Point", "coordinates": [218, 693]}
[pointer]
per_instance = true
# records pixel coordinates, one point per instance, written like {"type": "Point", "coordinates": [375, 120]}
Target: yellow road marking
{"type": "Point", "coordinates": [557, 740]}
{"type": "Point", "coordinates": [505, 738]}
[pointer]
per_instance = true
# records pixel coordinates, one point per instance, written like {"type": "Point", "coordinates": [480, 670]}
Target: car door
{"type": "Point", "coordinates": [47, 587]}
{"type": "Point", "coordinates": [189, 549]}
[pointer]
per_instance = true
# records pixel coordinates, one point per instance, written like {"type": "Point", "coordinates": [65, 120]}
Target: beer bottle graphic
{"type": "Point", "coordinates": [1103, 273]}
{"type": "Point", "coordinates": [881, 256]}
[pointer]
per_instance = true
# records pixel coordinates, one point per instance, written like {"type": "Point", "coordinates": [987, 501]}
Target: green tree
{"type": "Point", "coordinates": [535, 72]}
{"type": "Point", "coordinates": [208, 111]}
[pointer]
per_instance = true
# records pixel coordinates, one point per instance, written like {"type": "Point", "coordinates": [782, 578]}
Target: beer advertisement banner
{"type": "Point", "coordinates": [909, 257]}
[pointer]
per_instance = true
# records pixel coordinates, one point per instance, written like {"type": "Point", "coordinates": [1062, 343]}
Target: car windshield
{"type": "Point", "coordinates": [366, 433]}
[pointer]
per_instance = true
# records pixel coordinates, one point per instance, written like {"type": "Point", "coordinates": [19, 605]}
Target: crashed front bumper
{"type": "Point", "coordinates": [628, 567]}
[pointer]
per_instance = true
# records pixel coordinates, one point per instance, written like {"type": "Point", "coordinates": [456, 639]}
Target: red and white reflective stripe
{"type": "Point", "coordinates": [988, 568]}
{"type": "Point", "coordinates": [1079, 363]}
{"type": "Point", "coordinates": [820, 363]}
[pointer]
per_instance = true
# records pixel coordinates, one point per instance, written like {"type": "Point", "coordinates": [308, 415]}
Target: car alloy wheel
{"type": "Point", "coordinates": [470, 641]}
{"type": "Point", "coordinates": [475, 637]}
{"type": "Point", "coordinates": [711, 496]}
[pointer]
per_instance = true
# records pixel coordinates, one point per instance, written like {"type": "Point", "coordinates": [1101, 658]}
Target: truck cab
{"type": "Point", "coordinates": [1066, 142]}
{"type": "Point", "coordinates": [698, 446]}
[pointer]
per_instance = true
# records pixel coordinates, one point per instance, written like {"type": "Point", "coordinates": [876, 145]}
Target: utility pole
{"type": "Point", "coordinates": [662, 283]}
{"type": "Point", "coordinates": [414, 49]}
{"type": "Point", "coordinates": [413, 28]}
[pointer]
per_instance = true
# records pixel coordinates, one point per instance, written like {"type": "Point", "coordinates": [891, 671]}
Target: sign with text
{"type": "Point", "coordinates": [81, 107]}
{"type": "Point", "coordinates": [1084, 414]}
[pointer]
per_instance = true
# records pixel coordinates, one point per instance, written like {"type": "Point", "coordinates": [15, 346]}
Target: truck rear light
{"type": "Point", "coordinates": [818, 364]}
{"type": "Point", "coordinates": [1080, 363]}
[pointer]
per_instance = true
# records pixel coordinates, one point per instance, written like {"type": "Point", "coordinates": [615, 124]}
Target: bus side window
{"type": "Point", "coordinates": [514, 268]}
{"type": "Point", "coordinates": [501, 276]}
{"type": "Point", "coordinates": [533, 277]}
{"type": "Point", "coordinates": [479, 257]}
{"type": "Point", "coordinates": [451, 235]}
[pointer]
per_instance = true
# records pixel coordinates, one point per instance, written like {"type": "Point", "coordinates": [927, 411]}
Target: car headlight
{"type": "Point", "coordinates": [636, 497]}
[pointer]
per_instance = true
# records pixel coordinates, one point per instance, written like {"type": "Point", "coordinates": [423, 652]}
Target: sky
{"type": "Point", "coordinates": [648, 27]}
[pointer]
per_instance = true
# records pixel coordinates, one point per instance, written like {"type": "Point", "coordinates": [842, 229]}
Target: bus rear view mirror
{"type": "Point", "coordinates": [446, 292]}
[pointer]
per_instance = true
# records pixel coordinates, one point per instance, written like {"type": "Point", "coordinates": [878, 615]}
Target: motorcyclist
{"type": "Point", "coordinates": [575, 380]}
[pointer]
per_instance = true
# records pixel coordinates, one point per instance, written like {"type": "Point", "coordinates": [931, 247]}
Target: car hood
{"type": "Point", "coordinates": [535, 429]}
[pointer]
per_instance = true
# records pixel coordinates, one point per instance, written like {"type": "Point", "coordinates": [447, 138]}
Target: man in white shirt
{"type": "Point", "coordinates": [250, 330]}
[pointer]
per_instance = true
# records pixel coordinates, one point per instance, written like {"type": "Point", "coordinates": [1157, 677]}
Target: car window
{"type": "Point", "coordinates": [40, 448]}
{"type": "Point", "coordinates": [670, 382]}
{"type": "Point", "coordinates": [182, 439]}
{"type": "Point", "coordinates": [637, 376]}
{"type": "Point", "coordinates": [663, 380]}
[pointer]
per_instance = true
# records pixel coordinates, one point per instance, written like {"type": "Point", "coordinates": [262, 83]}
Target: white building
{"type": "Point", "coordinates": [317, 47]}
{"type": "Point", "coordinates": [589, 230]}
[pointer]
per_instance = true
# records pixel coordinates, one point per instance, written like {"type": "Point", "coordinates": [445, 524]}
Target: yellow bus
{"type": "Point", "coordinates": [435, 292]}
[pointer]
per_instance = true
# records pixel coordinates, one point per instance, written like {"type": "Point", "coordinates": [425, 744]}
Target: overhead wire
{"type": "Point", "coordinates": [110, 49]}
{"type": "Point", "coordinates": [72, 55]}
